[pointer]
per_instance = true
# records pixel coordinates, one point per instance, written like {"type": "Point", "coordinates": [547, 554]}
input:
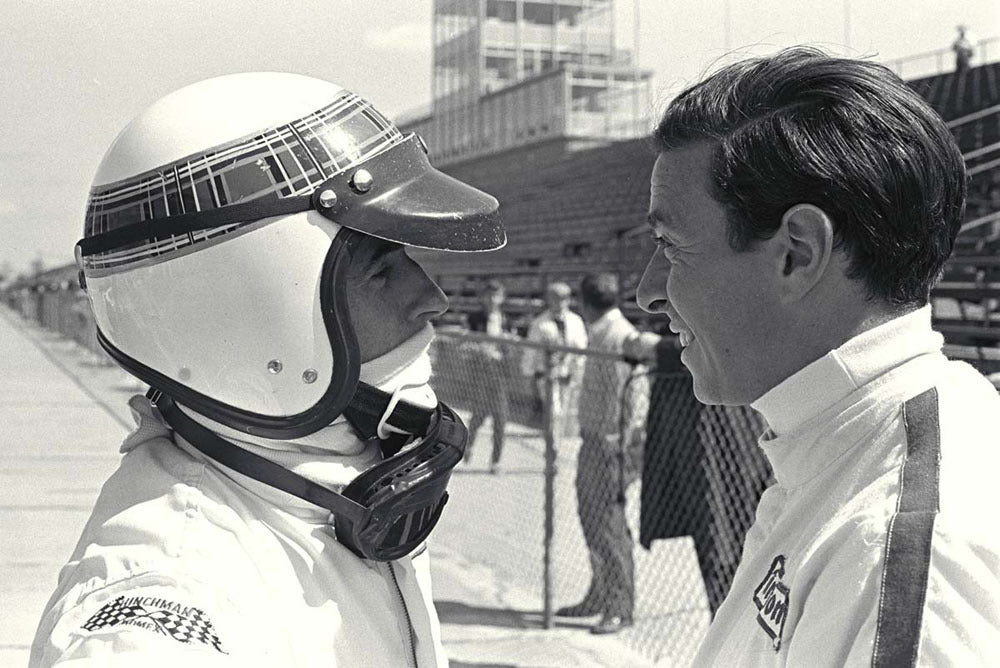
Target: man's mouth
{"type": "Point", "coordinates": [683, 334]}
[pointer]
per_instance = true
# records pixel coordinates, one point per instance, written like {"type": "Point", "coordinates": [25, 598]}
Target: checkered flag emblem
{"type": "Point", "coordinates": [185, 624]}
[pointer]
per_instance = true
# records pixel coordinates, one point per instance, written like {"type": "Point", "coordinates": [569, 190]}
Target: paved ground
{"type": "Point", "coordinates": [62, 414]}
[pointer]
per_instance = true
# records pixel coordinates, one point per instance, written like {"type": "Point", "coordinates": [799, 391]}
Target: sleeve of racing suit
{"type": "Point", "coordinates": [148, 620]}
{"type": "Point", "coordinates": [848, 616]}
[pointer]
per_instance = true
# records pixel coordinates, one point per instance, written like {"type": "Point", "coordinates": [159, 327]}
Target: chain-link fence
{"type": "Point", "coordinates": [585, 523]}
{"type": "Point", "coordinates": [553, 503]}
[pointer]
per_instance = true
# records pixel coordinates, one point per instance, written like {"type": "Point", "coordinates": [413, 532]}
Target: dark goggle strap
{"type": "Point", "coordinates": [353, 185]}
{"type": "Point", "coordinates": [253, 465]}
{"type": "Point", "coordinates": [192, 222]}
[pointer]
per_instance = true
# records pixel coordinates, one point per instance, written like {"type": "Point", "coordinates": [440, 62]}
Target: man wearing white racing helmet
{"type": "Point", "coordinates": [244, 256]}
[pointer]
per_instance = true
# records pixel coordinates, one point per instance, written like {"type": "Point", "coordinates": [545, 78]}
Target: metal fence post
{"type": "Point", "coordinates": [548, 417]}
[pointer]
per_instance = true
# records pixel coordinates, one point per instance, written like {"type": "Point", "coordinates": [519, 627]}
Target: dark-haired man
{"type": "Point", "coordinates": [803, 206]}
{"type": "Point", "coordinates": [493, 372]}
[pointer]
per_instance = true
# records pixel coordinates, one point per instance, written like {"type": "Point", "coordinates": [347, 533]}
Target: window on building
{"type": "Point", "coordinates": [504, 10]}
{"type": "Point", "coordinates": [542, 13]}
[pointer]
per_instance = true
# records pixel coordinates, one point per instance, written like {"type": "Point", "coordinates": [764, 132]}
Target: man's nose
{"type": "Point", "coordinates": [431, 300]}
{"type": "Point", "coordinates": [651, 295]}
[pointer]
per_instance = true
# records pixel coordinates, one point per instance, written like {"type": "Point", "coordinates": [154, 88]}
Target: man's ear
{"type": "Point", "coordinates": [807, 233]}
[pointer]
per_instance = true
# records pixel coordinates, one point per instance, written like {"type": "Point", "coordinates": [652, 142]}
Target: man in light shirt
{"type": "Point", "coordinates": [614, 400]}
{"type": "Point", "coordinates": [803, 207]}
{"type": "Point", "coordinates": [557, 326]}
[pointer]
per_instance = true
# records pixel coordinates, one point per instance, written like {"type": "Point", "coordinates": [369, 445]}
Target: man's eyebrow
{"type": "Point", "coordinates": [367, 251]}
{"type": "Point", "coordinates": [654, 219]}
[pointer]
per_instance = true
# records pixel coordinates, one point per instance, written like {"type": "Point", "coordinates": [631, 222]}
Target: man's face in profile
{"type": "Point", "coordinates": [492, 299]}
{"type": "Point", "coordinates": [720, 302]}
{"type": "Point", "coordinates": [389, 295]}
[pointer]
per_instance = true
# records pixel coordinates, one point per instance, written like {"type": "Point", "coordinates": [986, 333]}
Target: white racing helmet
{"type": "Point", "coordinates": [214, 235]}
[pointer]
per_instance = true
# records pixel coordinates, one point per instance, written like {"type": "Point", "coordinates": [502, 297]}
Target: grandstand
{"type": "Point", "coordinates": [965, 301]}
{"type": "Point", "coordinates": [575, 212]}
{"type": "Point", "coordinates": [565, 216]}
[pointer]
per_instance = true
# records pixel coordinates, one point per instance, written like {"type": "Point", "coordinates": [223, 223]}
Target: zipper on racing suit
{"type": "Point", "coordinates": [411, 649]}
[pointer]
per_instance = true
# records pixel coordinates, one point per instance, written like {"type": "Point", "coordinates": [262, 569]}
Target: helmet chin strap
{"type": "Point", "coordinates": [381, 405]}
{"type": "Point", "coordinates": [384, 430]}
{"type": "Point", "coordinates": [371, 409]}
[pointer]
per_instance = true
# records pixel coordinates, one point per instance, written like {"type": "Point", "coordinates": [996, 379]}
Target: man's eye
{"type": "Point", "coordinates": [662, 244]}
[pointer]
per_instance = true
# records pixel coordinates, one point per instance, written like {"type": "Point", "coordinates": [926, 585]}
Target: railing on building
{"type": "Point", "coordinates": [938, 61]}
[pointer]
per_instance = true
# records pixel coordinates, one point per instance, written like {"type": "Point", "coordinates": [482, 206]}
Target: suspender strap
{"type": "Point", "coordinates": [908, 544]}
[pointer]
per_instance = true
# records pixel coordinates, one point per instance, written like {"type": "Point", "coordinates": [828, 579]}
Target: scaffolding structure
{"type": "Point", "coordinates": [507, 73]}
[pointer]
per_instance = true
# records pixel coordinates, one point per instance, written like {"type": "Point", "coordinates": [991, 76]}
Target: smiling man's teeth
{"type": "Point", "coordinates": [685, 338]}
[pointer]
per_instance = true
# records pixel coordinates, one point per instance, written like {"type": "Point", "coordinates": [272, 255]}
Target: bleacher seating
{"type": "Point", "coordinates": [563, 218]}
{"type": "Point", "coordinates": [957, 94]}
{"type": "Point", "coordinates": [965, 301]}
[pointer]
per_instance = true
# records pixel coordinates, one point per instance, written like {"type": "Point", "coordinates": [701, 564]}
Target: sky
{"type": "Point", "coordinates": [75, 72]}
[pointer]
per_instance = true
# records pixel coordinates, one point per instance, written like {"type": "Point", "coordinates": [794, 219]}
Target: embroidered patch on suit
{"type": "Point", "coordinates": [771, 599]}
{"type": "Point", "coordinates": [183, 623]}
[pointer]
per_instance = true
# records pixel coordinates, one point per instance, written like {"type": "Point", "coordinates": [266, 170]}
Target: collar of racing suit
{"type": "Point", "coordinates": [332, 456]}
{"type": "Point", "coordinates": [798, 406]}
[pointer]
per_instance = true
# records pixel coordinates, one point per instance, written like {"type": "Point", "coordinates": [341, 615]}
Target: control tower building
{"type": "Point", "coordinates": [513, 73]}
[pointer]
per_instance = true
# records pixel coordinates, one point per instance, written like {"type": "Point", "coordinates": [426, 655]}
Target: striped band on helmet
{"type": "Point", "coordinates": [283, 161]}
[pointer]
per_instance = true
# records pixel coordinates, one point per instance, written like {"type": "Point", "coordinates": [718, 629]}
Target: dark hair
{"type": "Point", "coordinates": [847, 136]}
{"type": "Point", "coordinates": [599, 291]}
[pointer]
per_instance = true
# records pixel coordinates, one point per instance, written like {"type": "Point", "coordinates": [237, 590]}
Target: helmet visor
{"type": "Point", "coordinates": [397, 195]}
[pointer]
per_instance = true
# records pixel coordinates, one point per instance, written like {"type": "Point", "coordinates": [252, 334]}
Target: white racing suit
{"type": "Point", "coordinates": [878, 544]}
{"type": "Point", "coordinates": [186, 563]}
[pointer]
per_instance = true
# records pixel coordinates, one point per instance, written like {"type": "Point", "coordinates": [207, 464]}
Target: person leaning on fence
{"type": "Point", "coordinates": [803, 207]}
{"type": "Point", "coordinates": [614, 398]}
{"type": "Point", "coordinates": [244, 254]}
{"type": "Point", "coordinates": [557, 325]}
{"type": "Point", "coordinates": [491, 370]}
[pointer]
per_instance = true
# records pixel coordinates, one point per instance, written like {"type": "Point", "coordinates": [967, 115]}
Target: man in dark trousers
{"type": "Point", "coordinates": [491, 369]}
{"type": "Point", "coordinates": [612, 413]}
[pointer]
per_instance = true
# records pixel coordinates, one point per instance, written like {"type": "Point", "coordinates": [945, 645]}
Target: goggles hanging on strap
{"type": "Point", "coordinates": [383, 514]}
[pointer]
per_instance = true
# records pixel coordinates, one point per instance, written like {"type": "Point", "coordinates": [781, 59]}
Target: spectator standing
{"type": "Point", "coordinates": [491, 370]}
{"type": "Point", "coordinates": [556, 325]}
{"type": "Point", "coordinates": [612, 413]}
{"type": "Point", "coordinates": [962, 46]}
